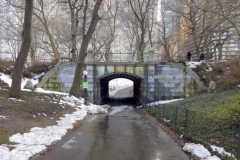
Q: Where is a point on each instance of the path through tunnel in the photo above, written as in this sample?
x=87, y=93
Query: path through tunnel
x=106, y=98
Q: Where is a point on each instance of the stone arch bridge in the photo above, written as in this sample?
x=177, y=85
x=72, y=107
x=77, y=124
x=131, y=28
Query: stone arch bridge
x=152, y=81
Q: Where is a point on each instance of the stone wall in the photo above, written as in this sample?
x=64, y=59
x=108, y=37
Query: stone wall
x=160, y=81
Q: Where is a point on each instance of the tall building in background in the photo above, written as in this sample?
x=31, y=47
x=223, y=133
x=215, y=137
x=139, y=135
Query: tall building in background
x=209, y=32
x=170, y=20
x=170, y=17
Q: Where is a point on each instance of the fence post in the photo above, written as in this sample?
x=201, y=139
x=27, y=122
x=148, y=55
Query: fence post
x=155, y=110
x=186, y=121
x=158, y=114
x=163, y=113
x=176, y=113
x=238, y=137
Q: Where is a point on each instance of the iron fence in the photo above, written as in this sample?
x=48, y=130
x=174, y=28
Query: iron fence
x=189, y=123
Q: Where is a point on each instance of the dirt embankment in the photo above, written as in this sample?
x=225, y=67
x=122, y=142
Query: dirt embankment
x=32, y=110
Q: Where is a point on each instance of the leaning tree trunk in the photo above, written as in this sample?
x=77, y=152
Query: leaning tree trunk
x=75, y=89
x=22, y=56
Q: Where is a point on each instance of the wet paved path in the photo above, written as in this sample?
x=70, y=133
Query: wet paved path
x=125, y=92
x=123, y=134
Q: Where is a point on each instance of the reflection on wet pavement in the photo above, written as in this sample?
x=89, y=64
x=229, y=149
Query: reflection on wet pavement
x=123, y=134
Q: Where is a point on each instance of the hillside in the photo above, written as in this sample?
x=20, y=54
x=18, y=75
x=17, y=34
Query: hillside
x=212, y=119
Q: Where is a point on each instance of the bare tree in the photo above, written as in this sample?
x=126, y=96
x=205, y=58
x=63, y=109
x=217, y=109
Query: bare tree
x=75, y=8
x=106, y=32
x=199, y=27
x=45, y=40
x=169, y=36
x=19, y=65
x=226, y=32
x=191, y=17
x=140, y=10
x=11, y=22
x=39, y=12
x=75, y=89
x=228, y=9
x=204, y=27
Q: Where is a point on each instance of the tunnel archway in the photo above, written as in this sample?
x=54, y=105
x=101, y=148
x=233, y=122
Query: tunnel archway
x=104, y=86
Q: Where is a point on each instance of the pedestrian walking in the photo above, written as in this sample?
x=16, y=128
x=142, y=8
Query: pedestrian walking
x=202, y=56
x=189, y=55
x=198, y=56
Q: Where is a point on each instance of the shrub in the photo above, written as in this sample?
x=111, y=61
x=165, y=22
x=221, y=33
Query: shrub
x=225, y=74
x=38, y=68
x=6, y=64
x=6, y=67
x=27, y=74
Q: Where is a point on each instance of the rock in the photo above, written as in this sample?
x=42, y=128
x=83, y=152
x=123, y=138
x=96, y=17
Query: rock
x=217, y=77
x=212, y=86
x=29, y=85
x=3, y=85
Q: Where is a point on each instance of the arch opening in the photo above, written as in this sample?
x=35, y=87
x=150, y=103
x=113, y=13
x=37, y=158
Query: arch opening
x=120, y=89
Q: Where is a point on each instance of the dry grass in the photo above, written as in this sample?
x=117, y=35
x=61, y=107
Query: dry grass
x=6, y=67
x=39, y=67
x=33, y=109
x=225, y=74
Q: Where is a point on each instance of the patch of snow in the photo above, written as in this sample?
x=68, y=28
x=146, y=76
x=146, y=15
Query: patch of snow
x=16, y=100
x=221, y=151
x=163, y=102
x=6, y=78
x=196, y=149
x=165, y=120
x=20, y=152
x=3, y=117
x=193, y=64
x=211, y=158
x=50, y=92
x=37, y=139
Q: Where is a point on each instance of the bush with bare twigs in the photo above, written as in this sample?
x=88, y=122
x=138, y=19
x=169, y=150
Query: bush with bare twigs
x=7, y=67
x=225, y=74
x=39, y=67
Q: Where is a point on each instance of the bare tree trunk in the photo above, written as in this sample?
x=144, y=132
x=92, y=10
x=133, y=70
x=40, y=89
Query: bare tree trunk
x=75, y=8
x=220, y=50
x=32, y=53
x=140, y=10
x=19, y=65
x=75, y=89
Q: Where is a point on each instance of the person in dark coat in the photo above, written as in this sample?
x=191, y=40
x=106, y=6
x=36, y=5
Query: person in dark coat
x=202, y=56
x=189, y=55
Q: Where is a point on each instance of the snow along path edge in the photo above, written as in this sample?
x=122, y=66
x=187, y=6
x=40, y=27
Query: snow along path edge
x=38, y=139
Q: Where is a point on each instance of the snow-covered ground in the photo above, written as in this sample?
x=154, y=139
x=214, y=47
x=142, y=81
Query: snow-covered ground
x=37, y=139
x=120, y=82
x=117, y=84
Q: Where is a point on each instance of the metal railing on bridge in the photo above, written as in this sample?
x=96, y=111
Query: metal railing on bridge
x=113, y=57
x=124, y=57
